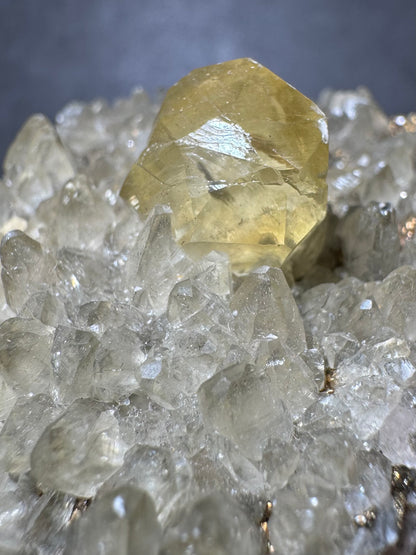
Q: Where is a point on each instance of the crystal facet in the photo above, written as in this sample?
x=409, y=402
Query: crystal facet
x=240, y=157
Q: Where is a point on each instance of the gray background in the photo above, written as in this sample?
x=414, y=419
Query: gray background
x=52, y=51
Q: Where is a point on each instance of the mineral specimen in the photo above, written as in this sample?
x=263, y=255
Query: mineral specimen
x=240, y=157
x=155, y=403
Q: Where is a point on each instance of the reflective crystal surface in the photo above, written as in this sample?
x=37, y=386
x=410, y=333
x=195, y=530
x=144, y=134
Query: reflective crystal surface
x=155, y=402
x=240, y=157
x=123, y=521
x=214, y=524
x=79, y=450
x=36, y=164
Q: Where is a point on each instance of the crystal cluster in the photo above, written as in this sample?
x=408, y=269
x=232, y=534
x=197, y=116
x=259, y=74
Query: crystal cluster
x=159, y=405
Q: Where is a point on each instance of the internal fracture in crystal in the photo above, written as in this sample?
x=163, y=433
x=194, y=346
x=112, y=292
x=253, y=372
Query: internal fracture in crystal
x=240, y=157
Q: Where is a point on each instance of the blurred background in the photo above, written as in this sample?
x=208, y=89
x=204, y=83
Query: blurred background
x=53, y=51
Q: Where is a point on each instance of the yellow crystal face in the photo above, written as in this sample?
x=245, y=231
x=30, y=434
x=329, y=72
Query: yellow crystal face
x=240, y=156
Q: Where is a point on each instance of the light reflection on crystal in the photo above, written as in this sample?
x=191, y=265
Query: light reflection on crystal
x=240, y=156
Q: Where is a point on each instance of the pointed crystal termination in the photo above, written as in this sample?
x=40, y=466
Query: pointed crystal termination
x=240, y=156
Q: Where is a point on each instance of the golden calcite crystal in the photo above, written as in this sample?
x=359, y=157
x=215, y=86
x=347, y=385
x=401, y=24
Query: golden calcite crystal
x=240, y=156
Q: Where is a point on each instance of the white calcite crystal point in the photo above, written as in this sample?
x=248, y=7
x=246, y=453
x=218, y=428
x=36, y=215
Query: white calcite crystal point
x=121, y=521
x=30, y=415
x=213, y=524
x=244, y=405
x=36, y=164
x=25, y=268
x=79, y=450
x=264, y=308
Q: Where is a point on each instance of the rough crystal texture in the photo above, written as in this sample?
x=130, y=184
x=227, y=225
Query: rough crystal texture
x=244, y=405
x=79, y=450
x=152, y=403
x=36, y=164
x=214, y=524
x=372, y=251
x=30, y=415
x=104, y=140
x=240, y=156
x=123, y=521
x=372, y=158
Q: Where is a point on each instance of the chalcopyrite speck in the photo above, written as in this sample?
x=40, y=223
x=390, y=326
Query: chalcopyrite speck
x=158, y=397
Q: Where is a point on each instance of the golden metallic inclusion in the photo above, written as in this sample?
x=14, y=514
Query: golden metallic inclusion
x=240, y=157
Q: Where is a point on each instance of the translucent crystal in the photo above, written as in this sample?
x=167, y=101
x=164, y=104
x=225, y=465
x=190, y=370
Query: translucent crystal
x=121, y=521
x=199, y=337
x=397, y=304
x=26, y=268
x=370, y=241
x=36, y=164
x=264, y=308
x=143, y=422
x=116, y=360
x=6, y=208
x=369, y=161
x=77, y=452
x=80, y=216
x=398, y=434
x=214, y=524
x=73, y=353
x=374, y=360
x=244, y=405
x=240, y=157
x=22, y=429
x=279, y=461
x=163, y=475
x=25, y=347
x=91, y=131
x=48, y=525
x=5, y=310
x=79, y=276
x=156, y=238
x=291, y=377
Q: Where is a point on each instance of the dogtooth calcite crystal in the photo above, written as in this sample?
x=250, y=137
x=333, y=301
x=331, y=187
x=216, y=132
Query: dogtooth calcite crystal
x=240, y=156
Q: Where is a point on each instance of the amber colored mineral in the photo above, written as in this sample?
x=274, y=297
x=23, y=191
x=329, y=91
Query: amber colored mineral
x=240, y=157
